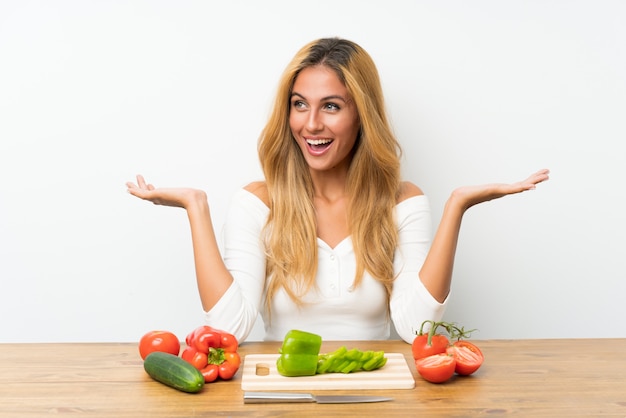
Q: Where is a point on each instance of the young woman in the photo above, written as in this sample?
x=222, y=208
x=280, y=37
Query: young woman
x=332, y=241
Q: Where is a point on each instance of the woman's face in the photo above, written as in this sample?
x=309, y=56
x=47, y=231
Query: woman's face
x=323, y=119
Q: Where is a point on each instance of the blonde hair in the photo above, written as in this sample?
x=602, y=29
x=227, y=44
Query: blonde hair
x=373, y=177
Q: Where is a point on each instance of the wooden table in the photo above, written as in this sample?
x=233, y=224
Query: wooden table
x=528, y=378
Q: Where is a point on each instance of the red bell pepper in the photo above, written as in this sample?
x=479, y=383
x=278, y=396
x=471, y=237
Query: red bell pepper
x=213, y=352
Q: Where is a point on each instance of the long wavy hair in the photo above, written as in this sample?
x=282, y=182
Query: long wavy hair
x=373, y=183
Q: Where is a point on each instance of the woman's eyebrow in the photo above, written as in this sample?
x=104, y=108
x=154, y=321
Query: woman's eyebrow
x=324, y=99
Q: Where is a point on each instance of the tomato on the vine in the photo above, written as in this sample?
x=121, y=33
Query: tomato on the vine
x=437, y=368
x=430, y=343
x=467, y=355
x=433, y=342
x=164, y=341
x=422, y=347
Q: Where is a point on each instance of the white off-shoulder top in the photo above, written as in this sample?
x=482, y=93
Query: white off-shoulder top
x=334, y=309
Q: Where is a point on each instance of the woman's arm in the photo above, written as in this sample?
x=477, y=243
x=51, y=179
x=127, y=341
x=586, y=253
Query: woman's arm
x=436, y=273
x=213, y=278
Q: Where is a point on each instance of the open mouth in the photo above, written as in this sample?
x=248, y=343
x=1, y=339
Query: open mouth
x=318, y=145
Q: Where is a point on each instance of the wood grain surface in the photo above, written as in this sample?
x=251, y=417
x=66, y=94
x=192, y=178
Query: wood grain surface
x=521, y=378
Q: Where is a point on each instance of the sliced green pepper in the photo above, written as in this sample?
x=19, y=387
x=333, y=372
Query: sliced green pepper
x=299, y=354
x=349, y=361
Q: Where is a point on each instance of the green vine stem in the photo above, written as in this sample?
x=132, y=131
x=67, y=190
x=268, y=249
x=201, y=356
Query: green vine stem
x=454, y=332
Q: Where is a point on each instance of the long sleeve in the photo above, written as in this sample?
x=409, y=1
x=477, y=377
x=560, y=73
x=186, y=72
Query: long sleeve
x=244, y=256
x=410, y=302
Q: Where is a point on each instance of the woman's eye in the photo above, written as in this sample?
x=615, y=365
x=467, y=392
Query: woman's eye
x=331, y=106
x=298, y=104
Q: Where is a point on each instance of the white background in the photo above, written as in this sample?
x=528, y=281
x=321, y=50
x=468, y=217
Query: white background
x=94, y=92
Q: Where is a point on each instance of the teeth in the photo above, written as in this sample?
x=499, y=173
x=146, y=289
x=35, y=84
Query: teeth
x=318, y=141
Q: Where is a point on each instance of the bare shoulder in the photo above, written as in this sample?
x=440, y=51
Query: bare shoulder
x=407, y=190
x=259, y=189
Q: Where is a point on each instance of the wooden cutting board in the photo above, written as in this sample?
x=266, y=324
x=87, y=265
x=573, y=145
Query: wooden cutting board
x=395, y=374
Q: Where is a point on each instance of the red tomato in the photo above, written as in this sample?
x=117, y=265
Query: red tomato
x=421, y=349
x=468, y=357
x=164, y=341
x=436, y=368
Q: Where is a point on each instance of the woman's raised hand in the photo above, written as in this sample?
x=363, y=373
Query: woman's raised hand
x=468, y=196
x=177, y=197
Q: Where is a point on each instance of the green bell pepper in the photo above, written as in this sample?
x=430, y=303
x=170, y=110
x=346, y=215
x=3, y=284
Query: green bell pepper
x=299, y=354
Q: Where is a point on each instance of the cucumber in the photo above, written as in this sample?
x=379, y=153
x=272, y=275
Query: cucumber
x=173, y=371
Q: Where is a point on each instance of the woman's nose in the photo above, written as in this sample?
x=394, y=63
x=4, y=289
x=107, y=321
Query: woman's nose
x=314, y=121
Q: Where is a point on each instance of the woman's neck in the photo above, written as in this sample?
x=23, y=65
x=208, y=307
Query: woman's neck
x=329, y=187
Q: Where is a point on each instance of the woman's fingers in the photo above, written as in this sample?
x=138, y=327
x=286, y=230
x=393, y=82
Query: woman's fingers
x=536, y=178
x=539, y=176
x=141, y=182
x=172, y=196
x=140, y=188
